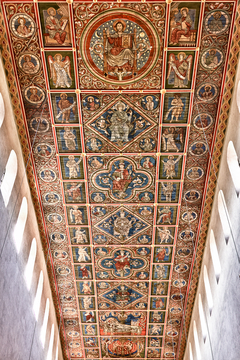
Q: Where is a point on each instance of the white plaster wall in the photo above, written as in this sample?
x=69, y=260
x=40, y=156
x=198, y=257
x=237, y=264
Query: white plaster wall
x=18, y=329
x=223, y=340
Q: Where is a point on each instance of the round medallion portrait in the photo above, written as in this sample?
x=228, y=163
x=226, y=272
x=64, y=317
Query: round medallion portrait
x=51, y=198
x=192, y=195
x=120, y=47
x=22, y=25
x=202, y=121
x=217, y=22
x=29, y=63
x=195, y=173
x=42, y=150
x=186, y=235
x=198, y=148
x=41, y=125
x=207, y=92
x=179, y=283
x=34, y=94
x=211, y=58
x=57, y=237
x=74, y=344
x=47, y=175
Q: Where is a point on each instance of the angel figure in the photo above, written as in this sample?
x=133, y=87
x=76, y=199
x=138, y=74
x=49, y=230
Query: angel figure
x=60, y=71
x=179, y=70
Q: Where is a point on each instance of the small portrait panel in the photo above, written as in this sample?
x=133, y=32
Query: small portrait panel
x=159, y=288
x=173, y=139
x=93, y=145
x=65, y=108
x=203, y=121
x=79, y=235
x=83, y=272
x=183, y=24
x=189, y=216
x=149, y=102
x=192, y=195
x=170, y=167
x=77, y=215
x=63, y=270
x=29, y=63
x=34, y=94
x=48, y=175
x=161, y=272
x=147, y=144
x=55, y=24
x=154, y=342
x=57, y=237
x=195, y=173
x=144, y=239
x=95, y=162
x=86, y=303
x=88, y=329
x=207, y=92
x=68, y=139
x=74, y=192
x=217, y=22
x=60, y=69
x=166, y=215
x=168, y=192
x=91, y=103
x=90, y=341
x=22, y=26
x=154, y=353
x=39, y=124
x=81, y=254
x=212, y=58
x=44, y=150
x=55, y=218
x=155, y=329
x=176, y=106
x=157, y=317
x=148, y=162
x=198, y=148
x=164, y=235
x=98, y=197
x=187, y=235
x=51, y=198
x=184, y=252
x=85, y=287
x=163, y=254
x=99, y=239
x=146, y=197
x=89, y=317
x=72, y=167
x=61, y=255
x=179, y=70
x=181, y=268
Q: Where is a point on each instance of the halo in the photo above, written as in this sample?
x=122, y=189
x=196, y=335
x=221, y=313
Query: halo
x=207, y=86
x=181, y=53
x=21, y=18
x=119, y=21
x=186, y=9
x=49, y=9
x=149, y=97
x=61, y=95
x=27, y=56
x=119, y=103
x=57, y=55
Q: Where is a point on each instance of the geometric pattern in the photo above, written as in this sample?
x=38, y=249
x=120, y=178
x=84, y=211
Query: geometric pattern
x=120, y=107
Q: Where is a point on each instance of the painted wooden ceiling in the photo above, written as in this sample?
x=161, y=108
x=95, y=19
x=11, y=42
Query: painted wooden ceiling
x=121, y=104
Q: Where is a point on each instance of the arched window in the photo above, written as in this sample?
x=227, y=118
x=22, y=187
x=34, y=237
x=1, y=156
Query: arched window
x=45, y=322
x=224, y=216
x=202, y=318
x=208, y=289
x=238, y=96
x=190, y=352
x=38, y=296
x=233, y=165
x=215, y=256
x=2, y=110
x=196, y=341
x=28, y=273
x=20, y=224
x=9, y=177
x=50, y=346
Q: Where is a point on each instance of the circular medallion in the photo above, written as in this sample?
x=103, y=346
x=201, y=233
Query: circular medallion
x=34, y=94
x=202, y=121
x=198, y=148
x=119, y=47
x=51, y=198
x=96, y=162
x=69, y=311
x=73, y=333
x=172, y=333
x=170, y=354
x=57, y=237
x=93, y=144
x=177, y=297
x=98, y=197
x=47, y=175
x=144, y=239
x=42, y=150
x=211, y=58
x=74, y=344
x=207, y=92
x=99, y=239
x=184, y=252
x=63, y=270
x=149, y=102
x=195, y=173
x=179, y=283
x=181, y=268
x=189, y=216
x=217, y=22
x=176, y=310
x=39, y=124
x=60, y=254
x=192, y=195
x=186, y=235
x=174, y=322
x=71, y=322
x=29, y=63
x=22, y=25
x=63, y=284
x=55, y=218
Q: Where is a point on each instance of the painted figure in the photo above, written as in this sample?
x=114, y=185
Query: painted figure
x=167, y=190
x=55, y=27
x=176, y=108
x=165, y=215
x=60, y=71
x=80, y=236
x=22, y=29
x=120, y=124
x=120, y=49
x=76, y=215
x=150, y=103
x=82, y=254
x=169, y=166
x=180, y=27
x=171, y=138
x=179, y=67
x=75, y=191
x=34, y=97
x=164, y=235
x=69, y=138
x=65, y=107
x=73, y=166
x=28, y=66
